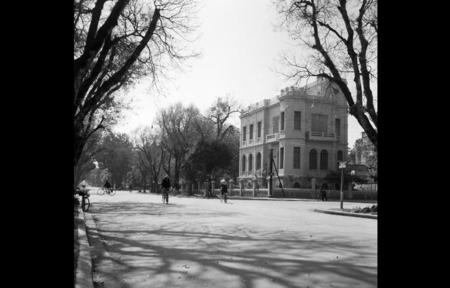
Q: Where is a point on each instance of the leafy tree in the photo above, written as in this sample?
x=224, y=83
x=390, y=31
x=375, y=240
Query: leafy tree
x=231, y=140
x=179, y=136
x=208, y=159
x=97, y=176
x=215, y=128
x=116, y=43
x=116, y=156
x=334, y=177
x=342, y=36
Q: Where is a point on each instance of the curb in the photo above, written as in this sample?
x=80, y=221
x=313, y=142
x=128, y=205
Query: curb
x=360, y=215
x=254, y=198
x=280, y=199
x=83, y=276
x=269, y=199
x=98, y=250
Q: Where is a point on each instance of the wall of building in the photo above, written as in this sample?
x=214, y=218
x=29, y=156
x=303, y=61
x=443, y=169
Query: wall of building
x=291, y=100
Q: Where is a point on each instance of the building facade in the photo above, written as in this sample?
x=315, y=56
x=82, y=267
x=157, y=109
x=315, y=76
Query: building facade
x=306, y=129
x=364, y=150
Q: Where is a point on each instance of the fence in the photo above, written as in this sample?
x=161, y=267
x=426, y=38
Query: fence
x=365, y=192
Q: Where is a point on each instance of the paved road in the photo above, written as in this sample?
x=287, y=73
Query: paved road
x=139, y=242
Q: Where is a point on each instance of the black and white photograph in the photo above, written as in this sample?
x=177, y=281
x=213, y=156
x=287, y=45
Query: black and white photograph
x=225, y=143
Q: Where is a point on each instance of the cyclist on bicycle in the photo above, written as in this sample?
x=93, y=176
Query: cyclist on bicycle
x=165, y=189
x=107, y=186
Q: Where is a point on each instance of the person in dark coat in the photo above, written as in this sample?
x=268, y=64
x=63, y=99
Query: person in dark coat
x=165, y=189
x=323, y=192
x=224, y=189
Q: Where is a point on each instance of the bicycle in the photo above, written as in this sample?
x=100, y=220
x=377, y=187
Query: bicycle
x=85, y=202
x=109, y=191
x=224, y=197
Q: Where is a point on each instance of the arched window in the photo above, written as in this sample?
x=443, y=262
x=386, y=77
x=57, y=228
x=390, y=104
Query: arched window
x=243, y=163
x=258, y=161
x=313, y=159
x=250, y=162
x=340, y=157
x=323, y=160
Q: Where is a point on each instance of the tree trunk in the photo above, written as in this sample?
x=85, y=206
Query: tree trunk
x=358, y=112
x=177, y=172
x=79, y=143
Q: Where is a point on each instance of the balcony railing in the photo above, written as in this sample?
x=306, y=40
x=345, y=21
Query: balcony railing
x=250, y=142
x=320, y=136
x=272, y=137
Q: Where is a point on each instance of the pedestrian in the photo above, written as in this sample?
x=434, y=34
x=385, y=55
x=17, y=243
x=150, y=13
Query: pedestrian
x=224, y=189
x=323, y=192
x=165, y=189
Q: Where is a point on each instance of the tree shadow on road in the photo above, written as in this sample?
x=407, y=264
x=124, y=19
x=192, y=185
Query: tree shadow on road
x=274, y=257
x=153, y=209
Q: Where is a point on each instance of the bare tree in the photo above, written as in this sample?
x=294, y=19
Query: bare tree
x=220, y=113
x=343, y=38
x=151, y=155
x=115, y=43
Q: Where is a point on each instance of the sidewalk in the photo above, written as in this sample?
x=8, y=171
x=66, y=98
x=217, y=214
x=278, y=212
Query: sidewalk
x=276, y=198
x=83, y=272
x=342, y=213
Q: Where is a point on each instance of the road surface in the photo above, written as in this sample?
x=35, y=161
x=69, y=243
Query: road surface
x=139, y=242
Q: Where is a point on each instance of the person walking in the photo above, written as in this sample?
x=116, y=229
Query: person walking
x=224, y=189
x=165, y=189
x=323, y=192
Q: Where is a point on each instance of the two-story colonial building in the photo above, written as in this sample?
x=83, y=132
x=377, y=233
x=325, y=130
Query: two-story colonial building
x=306, y=129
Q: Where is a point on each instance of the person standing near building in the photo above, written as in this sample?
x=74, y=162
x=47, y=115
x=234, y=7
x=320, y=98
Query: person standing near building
x=224, y=189
x=323, y=192
x=165, y=189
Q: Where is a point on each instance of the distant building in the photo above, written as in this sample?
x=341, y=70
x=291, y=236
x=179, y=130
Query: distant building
x=364, y=150
x=364, y=154
x=306, y=128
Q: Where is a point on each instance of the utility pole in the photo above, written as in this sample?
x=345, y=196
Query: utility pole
x=270, y=173
x=342, y=166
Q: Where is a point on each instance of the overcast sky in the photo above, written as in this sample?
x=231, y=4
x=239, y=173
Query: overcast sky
x=240, y=50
